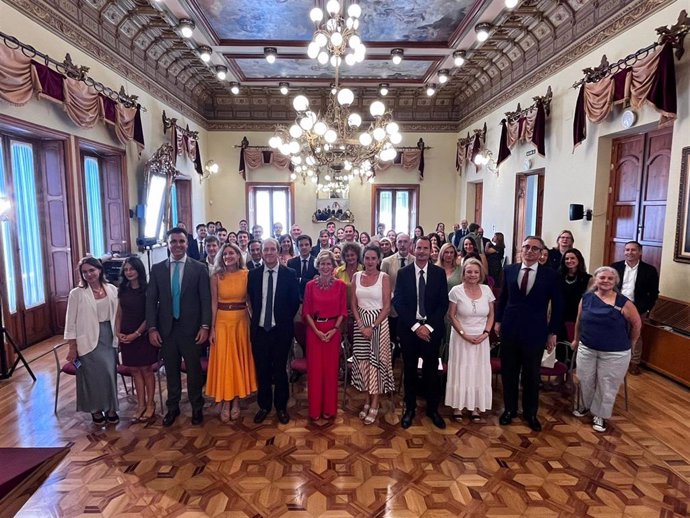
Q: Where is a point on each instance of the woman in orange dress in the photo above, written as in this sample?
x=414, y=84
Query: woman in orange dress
x=231, y=372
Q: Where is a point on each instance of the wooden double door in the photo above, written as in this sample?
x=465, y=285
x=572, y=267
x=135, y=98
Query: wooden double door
x=638, y=190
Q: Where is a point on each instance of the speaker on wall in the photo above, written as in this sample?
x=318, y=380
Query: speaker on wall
x=576, y=212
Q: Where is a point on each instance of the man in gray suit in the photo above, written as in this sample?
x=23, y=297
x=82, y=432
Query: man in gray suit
x=391, y=265
x=178, y=313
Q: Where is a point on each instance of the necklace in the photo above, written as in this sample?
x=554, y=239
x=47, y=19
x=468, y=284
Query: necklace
x=99, y=292
x=568, y=280
x=325, y=285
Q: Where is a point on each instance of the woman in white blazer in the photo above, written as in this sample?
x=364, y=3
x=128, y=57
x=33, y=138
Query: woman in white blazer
x=90, y=331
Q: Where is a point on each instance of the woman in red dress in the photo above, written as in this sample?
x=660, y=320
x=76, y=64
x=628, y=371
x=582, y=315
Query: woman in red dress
x=323, y=312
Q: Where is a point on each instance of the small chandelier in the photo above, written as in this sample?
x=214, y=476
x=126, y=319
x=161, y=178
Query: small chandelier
x=332, y=148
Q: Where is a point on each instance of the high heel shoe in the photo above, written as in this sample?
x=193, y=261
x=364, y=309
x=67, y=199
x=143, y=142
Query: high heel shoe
x=138, y=415
x=149, y=414
x=235, y=413
x=225, y=412
x=371, y=416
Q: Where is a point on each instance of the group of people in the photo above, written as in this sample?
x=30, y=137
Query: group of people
x=438, y=300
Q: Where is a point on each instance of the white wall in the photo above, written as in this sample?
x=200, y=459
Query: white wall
x=51, y=115
x=582, y=176
x=225, y=191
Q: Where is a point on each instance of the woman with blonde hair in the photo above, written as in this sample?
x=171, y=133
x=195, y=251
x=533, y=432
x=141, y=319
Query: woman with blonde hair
x=471, y=313
x=231, y=372
x=607, y=325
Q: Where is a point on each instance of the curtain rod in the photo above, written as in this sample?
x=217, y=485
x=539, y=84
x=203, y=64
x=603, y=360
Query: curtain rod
x=170, y=122
x=69, y=69
x=245, y=145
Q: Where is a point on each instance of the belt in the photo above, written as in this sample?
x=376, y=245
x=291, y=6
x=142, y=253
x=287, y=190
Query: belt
x=321, y=319
x=231, y=306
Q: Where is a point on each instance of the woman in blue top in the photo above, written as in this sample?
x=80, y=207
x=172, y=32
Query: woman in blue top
x=606, y=327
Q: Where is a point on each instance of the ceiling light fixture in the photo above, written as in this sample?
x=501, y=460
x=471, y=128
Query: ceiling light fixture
x=284, y=88
x=397, y=56
x=511, y=3
x=204, y=53
x=430, y=89
x=186, y=27
x=483, y=31
x=443, y=75
x=271, y=54
x=235, y=87
x=332, y=146
x=459, y=58
x=383, y=89
x=221, y=72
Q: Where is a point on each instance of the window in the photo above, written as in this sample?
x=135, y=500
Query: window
x=269, y=204
x=153, y=217
x=173, y=205
x=7, y=255
x=94, y=206
x=396, y=207
x=28, y=227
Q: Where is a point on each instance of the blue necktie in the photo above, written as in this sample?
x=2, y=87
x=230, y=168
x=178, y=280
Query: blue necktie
x=176, y=290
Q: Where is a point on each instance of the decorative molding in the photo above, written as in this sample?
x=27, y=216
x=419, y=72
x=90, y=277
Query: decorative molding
x=229, y=125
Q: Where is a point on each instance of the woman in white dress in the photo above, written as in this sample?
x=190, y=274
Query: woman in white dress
x=471, y=313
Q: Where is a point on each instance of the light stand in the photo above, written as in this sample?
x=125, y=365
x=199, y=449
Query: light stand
x=5, y=370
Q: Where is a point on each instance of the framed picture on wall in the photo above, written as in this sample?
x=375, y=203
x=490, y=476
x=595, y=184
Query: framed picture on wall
x=332, y=207
x=682, y=254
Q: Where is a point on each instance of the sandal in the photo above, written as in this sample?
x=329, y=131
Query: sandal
x=457, y=416
x=224, y=412
x=235, y=412
x=98, y=417
x=364, y=412
x=138, y=416
x=371, y=416
x=475, y=417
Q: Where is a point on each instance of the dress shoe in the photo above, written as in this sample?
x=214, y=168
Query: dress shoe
x=283, y=416
x=533, y=423
x=407, y=417
x=260, y=415
x=634, y=369
x=170, y=417
x=437, y=420
x=506, y=418
x=197, y=417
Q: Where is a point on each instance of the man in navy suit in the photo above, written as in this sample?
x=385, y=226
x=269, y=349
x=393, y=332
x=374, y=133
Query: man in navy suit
x=178, y=314
x=421, y=300
x=196, y=247
x=639, y=281
x=254, y=255
x=303, y=265
x=274, y=295
x=521, y=322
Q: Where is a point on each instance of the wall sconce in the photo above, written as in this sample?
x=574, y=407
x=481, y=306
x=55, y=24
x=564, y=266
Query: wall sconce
x=578, y=212
x=483, y=30
x=211, y=168
x=186, y=27
x=486, y=158
x=397, y=56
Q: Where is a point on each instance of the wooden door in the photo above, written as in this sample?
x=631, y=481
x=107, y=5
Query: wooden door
x=478, y=196
x=183, y=186
x=529, y=203
x=637, y=194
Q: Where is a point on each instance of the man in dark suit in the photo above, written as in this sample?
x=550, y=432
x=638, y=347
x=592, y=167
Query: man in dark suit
x=421, y=300
x=303, y=264
x=639, y=281
x=254, y=254
x=195, y=247
x=521, y=322
x=178, y=313
x=323, y=244
x=274, y=295
x=458, y=234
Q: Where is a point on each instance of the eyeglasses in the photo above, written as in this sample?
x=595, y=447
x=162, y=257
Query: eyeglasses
x=535, y=249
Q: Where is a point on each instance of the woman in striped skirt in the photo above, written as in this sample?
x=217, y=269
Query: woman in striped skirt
x=372, y=370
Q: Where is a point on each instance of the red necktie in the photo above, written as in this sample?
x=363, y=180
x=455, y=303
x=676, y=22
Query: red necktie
x=525, y=280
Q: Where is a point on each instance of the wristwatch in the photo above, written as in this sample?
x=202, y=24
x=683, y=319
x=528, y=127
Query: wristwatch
x=462, y=333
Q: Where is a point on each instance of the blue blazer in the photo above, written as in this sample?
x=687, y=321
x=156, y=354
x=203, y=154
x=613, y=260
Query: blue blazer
x=285, y=302
x=435, y=301
x=296, y=265
x=523, y=318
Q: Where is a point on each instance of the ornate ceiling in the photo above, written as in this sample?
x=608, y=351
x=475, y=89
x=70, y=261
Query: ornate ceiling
x=137, y=38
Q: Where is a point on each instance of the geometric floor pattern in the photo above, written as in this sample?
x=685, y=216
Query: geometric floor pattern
x=345, y=469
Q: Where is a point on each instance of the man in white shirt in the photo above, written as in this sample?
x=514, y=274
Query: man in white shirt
x=196, y=246
x=639, y=281
x=211, y=245
x=243, y=243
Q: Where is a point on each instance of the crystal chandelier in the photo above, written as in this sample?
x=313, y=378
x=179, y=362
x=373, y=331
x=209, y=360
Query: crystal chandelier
x=332, y=148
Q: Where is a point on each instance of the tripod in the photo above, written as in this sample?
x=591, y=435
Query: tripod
x=5, y=370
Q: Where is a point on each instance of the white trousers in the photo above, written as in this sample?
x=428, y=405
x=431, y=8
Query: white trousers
x=600, y=374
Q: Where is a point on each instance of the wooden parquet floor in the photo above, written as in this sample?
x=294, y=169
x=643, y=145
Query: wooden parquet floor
x=640, y=467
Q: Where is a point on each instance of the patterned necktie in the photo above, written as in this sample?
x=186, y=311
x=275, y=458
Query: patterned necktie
x=525, y=280
x=268, y=318
x=176, y=290
x=421, y=292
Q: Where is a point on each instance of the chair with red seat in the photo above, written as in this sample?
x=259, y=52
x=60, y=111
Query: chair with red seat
x=298, y=366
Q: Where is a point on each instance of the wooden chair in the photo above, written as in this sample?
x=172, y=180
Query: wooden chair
x=126, y=372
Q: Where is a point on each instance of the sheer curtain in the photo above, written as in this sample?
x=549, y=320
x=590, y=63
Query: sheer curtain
x=173, y=205
x=94, y=207
x=28, y=227
x=7, y=250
